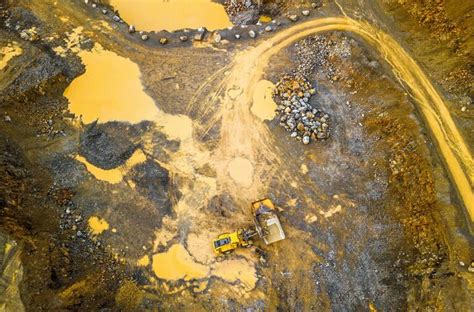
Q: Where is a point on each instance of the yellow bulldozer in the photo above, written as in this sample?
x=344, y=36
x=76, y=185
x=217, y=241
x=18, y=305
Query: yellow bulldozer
x=267, y=226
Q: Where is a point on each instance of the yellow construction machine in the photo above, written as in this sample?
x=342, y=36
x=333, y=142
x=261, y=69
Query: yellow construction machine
x=267, y=226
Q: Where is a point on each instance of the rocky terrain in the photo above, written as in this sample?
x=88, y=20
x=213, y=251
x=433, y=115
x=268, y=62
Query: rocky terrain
x=99, y=212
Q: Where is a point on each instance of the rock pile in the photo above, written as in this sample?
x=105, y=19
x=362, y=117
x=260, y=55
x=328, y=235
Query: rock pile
x=296, y=114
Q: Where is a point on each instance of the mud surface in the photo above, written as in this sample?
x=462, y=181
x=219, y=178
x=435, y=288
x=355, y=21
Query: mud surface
x=122, y=160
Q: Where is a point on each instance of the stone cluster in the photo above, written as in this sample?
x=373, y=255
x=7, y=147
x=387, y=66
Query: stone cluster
x=316, y=52
x=296, y=114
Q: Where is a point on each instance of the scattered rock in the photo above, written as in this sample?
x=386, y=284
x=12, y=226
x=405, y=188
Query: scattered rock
x=131, y=29
x=237, y=36
x=199, y=36
x=183, y=38
x=305, y=12
x=104, y=11
x=293, y=17
x=463, y=109
x=144, y=37
x=29, y=34
x=164, y=41
x=217, y=38
x=252, y=34
x=7, y=118
x=268, y=28
x=116, y=18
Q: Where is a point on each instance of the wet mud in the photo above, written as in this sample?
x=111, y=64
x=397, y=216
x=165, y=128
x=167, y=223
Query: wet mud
x=123, y=161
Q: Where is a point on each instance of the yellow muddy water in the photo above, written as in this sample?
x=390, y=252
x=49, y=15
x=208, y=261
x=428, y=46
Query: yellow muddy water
x=172, y=14
x=143, y=261
x=97, y=225
x=177, y=264
x=263, y=105
x=109, y=90
x=7, y=53
x=115, y=175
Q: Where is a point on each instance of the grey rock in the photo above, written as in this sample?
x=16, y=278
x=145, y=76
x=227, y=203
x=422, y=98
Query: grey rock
x=237, y=36
x=306, y=140
x=268, y=28
x=199, y=36
x=305, y=12
x=183, y=38
x=252, y=34
x=116, y=18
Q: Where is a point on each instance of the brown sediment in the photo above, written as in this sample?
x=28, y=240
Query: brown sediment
x=173, y=14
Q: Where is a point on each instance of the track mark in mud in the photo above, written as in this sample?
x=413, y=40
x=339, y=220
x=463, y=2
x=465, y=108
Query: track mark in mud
x=109, y=90
x=97, y=225
x=249, y=68
x=235, y=270
x=172, y=15
x=9, y=52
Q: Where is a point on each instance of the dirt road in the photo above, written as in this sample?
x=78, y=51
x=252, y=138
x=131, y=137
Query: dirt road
x=248, y=68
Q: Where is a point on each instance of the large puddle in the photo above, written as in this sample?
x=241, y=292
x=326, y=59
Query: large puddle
x=109, y=90
x=177, y=264
x=172, y=14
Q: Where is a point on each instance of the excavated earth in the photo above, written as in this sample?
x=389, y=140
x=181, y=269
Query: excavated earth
x=115, y=208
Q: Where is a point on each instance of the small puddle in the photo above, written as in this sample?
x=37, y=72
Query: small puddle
x=176, y=264
x=115, y=175
x=241, y=171
x=97, y=225
x=7, y=53
x=143, y=261
x=109, y=90
x=172, y=14
x=263, y=105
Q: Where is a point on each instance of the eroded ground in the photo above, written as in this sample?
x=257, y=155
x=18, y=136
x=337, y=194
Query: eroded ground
x=124, y=158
